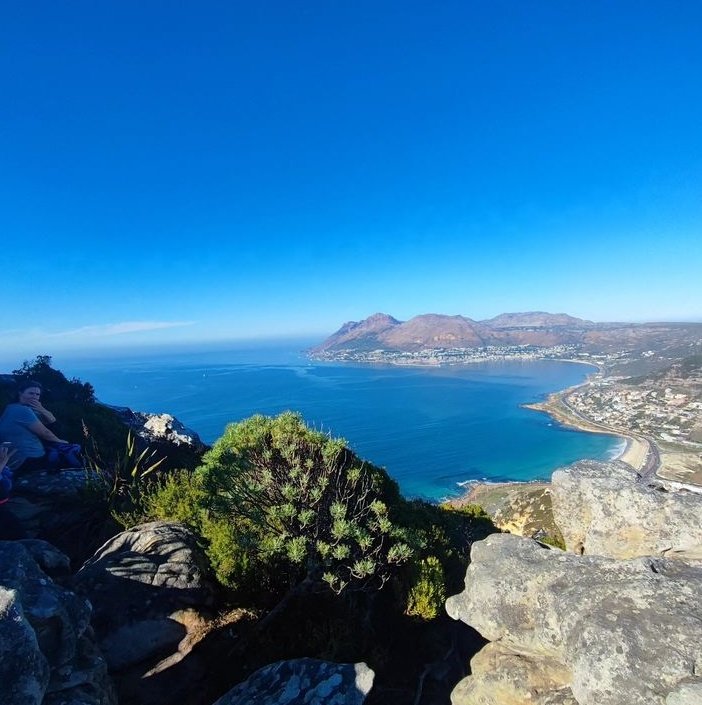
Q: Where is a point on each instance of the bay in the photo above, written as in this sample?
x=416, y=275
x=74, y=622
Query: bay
x=433, y=429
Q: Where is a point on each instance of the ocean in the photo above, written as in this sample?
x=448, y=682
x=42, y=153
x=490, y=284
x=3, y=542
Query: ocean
x=433, y=429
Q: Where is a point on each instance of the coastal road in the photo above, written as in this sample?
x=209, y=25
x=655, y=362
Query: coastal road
x=652, y=460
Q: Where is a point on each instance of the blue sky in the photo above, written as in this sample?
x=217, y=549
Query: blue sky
x=180, y=171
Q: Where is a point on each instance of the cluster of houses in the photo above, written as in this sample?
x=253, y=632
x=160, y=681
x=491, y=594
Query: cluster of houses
x=667, y=409
x=451, y=356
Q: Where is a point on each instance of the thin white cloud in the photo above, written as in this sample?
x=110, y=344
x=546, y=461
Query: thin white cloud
x=110, y=329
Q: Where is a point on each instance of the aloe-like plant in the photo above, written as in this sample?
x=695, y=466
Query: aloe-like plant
x=120, y=483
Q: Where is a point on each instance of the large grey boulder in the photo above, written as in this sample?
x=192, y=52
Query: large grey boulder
x=615, y=632
x=601, y=509
x=146, y=584
x=303, y=681
x=47, y=502
x=47, y=653
x=152, y=593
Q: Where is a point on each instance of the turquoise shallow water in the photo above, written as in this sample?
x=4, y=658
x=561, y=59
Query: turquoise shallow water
x=433, y=429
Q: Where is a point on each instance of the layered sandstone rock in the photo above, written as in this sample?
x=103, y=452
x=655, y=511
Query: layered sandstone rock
x=616, y=621
x=612, y=631
x=601, y=509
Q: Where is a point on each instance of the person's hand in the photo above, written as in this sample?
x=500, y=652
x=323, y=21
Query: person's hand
x=36, y=405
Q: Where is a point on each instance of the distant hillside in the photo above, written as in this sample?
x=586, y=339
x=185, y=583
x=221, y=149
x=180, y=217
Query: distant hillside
x=631, y=348
x=536, y=319
x=360, y=335
x=383, y=332
x=431, y=330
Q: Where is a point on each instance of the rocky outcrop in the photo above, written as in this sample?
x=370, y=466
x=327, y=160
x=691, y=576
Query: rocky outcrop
x=54, y=507
x=614, y=621
x=48, y=654
x=302, y=682
x=151, y=592
x=597, y=630
x=501, y=675
x=159, y=428
x=601, y=509
x=522, y=508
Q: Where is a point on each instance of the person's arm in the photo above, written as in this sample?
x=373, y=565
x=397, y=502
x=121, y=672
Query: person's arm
x=41, y=412
x=38, y=429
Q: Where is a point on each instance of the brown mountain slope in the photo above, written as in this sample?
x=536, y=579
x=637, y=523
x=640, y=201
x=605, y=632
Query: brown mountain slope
x=359, y=335
x=538, y=329
x=536, y=319
x=436, y=331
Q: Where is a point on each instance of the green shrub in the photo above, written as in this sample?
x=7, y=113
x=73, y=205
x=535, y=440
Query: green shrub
x=427, y=595
x=305, y=508
x=176, y=496
x=445, y=533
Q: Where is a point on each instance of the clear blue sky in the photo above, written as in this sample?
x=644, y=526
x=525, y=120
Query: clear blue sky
x=193, y=171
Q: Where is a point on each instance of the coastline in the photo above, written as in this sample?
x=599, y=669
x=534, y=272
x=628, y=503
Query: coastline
x=637, y=449
x=637, y=452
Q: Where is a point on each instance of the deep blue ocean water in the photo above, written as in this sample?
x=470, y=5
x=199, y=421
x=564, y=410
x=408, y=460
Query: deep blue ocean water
x=431, y=428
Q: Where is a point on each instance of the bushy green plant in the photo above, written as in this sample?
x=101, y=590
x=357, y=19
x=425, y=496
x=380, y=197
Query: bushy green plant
x=445, y=533
x=54, y=382
x=305, y=504
x=176, y=496
x=427, y=595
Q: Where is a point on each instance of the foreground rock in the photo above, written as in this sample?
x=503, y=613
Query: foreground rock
x=151, y=593
x=47, y=651
x=601, y=509
x=303, y=682
x=52, y=506
x=587, y=630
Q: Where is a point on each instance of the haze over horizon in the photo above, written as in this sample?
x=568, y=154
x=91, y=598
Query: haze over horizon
x=174, y=175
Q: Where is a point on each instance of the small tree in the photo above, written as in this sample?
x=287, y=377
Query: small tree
x=304, y=503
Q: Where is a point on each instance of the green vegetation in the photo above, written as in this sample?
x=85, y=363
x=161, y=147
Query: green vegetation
x=555, y=541
x=304, y=503
x=288, y=517
x=428, y=593
x=283, y=508
x=121, y=484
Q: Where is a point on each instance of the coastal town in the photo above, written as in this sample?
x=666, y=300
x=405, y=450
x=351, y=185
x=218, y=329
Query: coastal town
x=448, y=356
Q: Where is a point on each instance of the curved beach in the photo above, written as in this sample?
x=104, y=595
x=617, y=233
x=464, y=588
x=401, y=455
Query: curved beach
x=638, y=450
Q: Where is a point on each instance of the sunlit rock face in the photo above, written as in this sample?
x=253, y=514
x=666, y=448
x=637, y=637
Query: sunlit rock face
x=601, y=509
x=592, y=626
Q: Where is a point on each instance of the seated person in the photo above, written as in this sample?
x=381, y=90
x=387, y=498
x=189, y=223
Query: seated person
x=20, y=425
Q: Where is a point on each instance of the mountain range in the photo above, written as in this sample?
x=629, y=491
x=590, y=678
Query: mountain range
x=536, y=328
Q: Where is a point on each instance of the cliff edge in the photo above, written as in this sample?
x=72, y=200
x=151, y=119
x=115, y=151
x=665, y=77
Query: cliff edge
x=614, y=620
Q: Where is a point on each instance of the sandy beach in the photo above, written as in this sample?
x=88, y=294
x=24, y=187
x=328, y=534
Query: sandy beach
x=637, y=449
